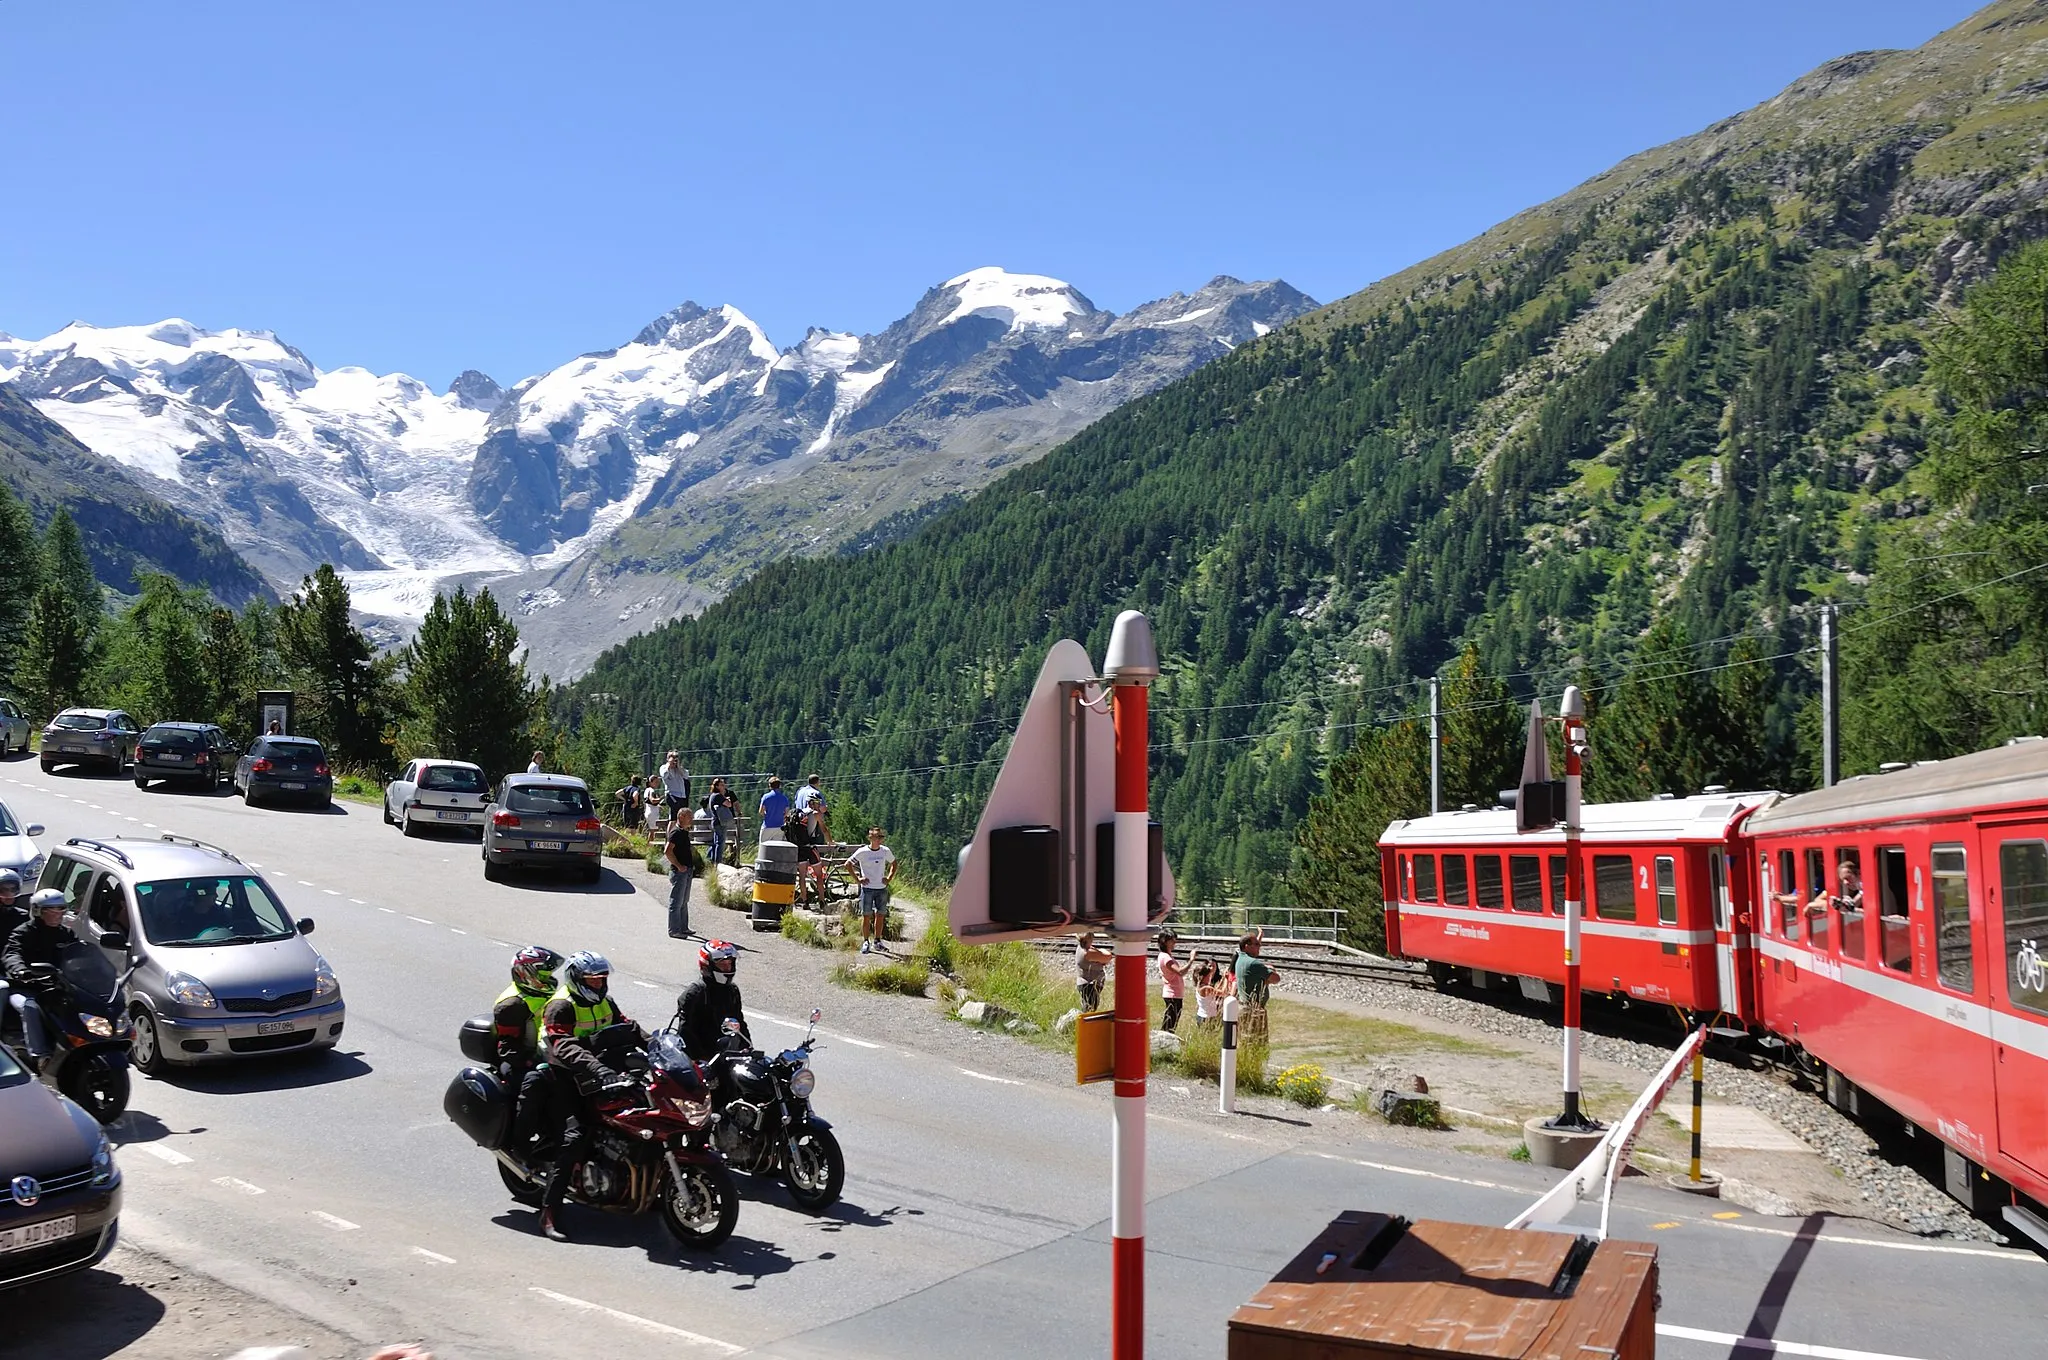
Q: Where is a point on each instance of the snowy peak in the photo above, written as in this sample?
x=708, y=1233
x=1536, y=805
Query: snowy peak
x=1021, y=300
x=474, y=391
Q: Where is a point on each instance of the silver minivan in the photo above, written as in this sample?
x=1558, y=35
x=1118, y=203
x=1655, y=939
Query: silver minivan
x=222, y=970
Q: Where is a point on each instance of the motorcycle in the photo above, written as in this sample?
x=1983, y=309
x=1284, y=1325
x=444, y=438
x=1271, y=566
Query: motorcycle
x=85, y=1009
x=767, y=1126
x=651, y=1148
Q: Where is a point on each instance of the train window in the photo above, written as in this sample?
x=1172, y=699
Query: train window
x=1667, y=891
x=1525, y=878
x=1457, y=891
x=1486, y=879
x=1614, y=887
x=1425, y=878
x=1816, y=895
x=1788, y=893
x=1557, y=885
x=1894, y=929
x=1954, y=960
x=1848, y=900
x=2023, y=878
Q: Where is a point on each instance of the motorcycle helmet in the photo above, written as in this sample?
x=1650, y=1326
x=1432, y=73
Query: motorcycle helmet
x=10, y=882
x=718, y=961
x=49, y=899
x=588, y=976
x=533, y=970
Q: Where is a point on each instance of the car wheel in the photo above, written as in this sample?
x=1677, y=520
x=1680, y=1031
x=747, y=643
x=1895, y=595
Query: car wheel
x=49, y=766
x=592, y=872
x=389, y=820
x=147, y=1052
x=249, y=795
x=407, y=825
x=493, y=871
x=141, y=782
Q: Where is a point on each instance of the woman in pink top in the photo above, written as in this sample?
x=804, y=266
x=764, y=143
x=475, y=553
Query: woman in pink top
x=1173, y=982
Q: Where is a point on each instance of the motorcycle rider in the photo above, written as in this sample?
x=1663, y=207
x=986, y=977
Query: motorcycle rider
x=580, y=1007
x=39, y=942
x=515, y=1023
x=706, y=1004
x=12, y=914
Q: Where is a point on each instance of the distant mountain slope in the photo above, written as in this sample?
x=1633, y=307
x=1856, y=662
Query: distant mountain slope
x=1689, y=388
x=127, y=531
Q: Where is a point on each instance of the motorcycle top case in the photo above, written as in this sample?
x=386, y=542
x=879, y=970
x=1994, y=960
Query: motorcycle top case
x=479, y=1040
x=479, y=1106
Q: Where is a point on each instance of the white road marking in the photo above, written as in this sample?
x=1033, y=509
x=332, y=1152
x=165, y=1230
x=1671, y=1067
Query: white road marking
x=338, y=1224
x=1417, y=1171
x=833, y=1035
x=421, y=919
x=434, y=1256
x=453, y=931
x=359, y=901
x=1767, y=1346
x=233, y=1183
x=648, y=985
x=95, y=807
x=330, y=892
x=387, y=911
x=304, y=884
x=162, y=1153
x=2026, y=1257
x=645, y=1324
x=150, y=825
x=983, y=1076
x=127, y=819
x=502, y=944
x=254, y=865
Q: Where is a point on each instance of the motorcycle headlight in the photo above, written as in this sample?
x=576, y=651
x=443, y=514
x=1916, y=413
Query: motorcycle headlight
x=802, y=1082
x=99, y=1027
x=324, y=985
x=103, y=1170
x=694, y=1109
x=187, y=990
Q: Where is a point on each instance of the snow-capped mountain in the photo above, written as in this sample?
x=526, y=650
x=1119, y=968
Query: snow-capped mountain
x=637, y=482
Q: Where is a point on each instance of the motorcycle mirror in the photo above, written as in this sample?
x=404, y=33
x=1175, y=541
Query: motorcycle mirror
x=107, y=938
x=816, y=1015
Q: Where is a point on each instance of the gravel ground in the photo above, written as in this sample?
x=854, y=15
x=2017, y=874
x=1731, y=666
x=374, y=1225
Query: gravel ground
x=1895, y=1194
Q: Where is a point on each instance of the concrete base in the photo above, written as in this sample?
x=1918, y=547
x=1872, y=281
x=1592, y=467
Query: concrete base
x=1709, y=1183
x=1561, y=1148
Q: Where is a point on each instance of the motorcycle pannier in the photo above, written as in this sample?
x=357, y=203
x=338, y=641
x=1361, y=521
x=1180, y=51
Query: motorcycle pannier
x=479, y=1106
x=479, y=1040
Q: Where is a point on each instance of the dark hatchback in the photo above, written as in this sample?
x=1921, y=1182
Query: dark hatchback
x=191, y=753
x=60, y=1192
x=285, y=769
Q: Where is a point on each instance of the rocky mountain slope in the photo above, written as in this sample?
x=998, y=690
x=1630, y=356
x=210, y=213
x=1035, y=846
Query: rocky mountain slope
x=127, y=531
x=640, y=481
x=1691, y=390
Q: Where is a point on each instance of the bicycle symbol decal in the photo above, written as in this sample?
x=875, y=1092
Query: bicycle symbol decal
x=2029, y=969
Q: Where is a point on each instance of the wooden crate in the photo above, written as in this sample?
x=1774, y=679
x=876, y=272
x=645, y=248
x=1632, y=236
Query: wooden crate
x=1395, y=1288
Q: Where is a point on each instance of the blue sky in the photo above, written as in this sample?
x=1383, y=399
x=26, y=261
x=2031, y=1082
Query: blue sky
x=434, y=186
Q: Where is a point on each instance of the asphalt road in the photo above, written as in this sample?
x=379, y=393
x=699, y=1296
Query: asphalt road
x=974, y=1221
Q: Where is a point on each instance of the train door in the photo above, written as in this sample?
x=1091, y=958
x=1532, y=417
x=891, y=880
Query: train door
x=1729, y=963
x=2015, y=861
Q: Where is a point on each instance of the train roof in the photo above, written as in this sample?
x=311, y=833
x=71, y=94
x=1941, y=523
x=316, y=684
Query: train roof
x=2004, y=775
x=1702, y=817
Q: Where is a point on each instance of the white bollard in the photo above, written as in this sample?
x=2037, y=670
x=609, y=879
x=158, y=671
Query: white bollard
x=1226, y=1100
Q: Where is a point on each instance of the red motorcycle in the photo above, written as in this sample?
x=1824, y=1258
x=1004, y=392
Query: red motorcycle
x=652, y=1148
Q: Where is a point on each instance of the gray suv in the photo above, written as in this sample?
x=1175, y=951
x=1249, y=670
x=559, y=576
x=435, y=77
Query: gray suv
x=222, y=970
x=90, y=736
x=543, y=821
x=14, y=727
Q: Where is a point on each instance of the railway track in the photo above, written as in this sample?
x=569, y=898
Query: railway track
x=1293, y=957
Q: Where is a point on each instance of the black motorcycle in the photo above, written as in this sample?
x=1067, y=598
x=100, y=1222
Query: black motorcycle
x=767, y=1125
x=85, y=1009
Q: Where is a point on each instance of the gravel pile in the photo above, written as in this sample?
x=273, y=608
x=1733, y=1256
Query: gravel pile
x=1896, y=1195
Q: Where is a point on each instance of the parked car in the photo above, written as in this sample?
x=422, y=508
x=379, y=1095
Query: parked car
x=284, y=768
x=14, y=728
x=222, y=970
x=90, y=736
x=18, y=847
x=192, y=753
x=543, y=821
x=437, y=793
x=63, y=1207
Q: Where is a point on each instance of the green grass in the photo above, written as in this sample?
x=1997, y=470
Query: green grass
x=358, y=787
x=804, y=929
x=904, y=976
x=1519, y=1153
x=1201, y=1059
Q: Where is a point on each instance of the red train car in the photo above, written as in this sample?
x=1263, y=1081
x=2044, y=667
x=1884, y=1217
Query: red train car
x=1666, y=917
x=1905, y=946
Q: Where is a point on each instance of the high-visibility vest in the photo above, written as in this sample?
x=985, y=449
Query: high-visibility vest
x=534, y=1006
x=589, y=1019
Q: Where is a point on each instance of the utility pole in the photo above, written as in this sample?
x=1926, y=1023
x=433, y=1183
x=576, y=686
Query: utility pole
x=1436, y=746
x=1830, y=699
x=1130, y=666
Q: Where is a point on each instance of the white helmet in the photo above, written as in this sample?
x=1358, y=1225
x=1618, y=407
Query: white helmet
x=47, y=899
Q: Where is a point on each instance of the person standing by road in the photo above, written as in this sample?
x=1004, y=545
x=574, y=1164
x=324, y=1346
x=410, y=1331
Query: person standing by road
x=1090, y=964
x=629, y=804
x=725, y=814
x=774, y=809
x=1173, y=982
x=876, y=865
x=675, y=789
x=1254, y=977
x=533, y=766
x=685, y=862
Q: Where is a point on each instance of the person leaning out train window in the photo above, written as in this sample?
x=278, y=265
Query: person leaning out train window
x=1849, y=885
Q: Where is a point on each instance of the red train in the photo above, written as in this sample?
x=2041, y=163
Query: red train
x=1890, y=932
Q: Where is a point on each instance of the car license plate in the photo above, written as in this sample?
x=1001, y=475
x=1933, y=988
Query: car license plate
x=295, y=788
x=169, y=755
x=457, y=816
x=275, y=1027
x=38, y=1234
x=545, y=845
x=69, y=749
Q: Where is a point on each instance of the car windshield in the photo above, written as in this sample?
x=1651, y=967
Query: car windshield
x=78, y=722
x=453, y=779
x=8, y=827
x=547, y=800
x=179, y=738
x=229, y=909
x=11, y=1072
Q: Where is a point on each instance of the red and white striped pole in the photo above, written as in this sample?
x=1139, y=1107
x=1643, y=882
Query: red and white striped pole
x=1131, y=665
x=1573, y=709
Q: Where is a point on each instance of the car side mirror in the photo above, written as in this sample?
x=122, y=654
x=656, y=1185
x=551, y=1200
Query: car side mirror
x=35, y=829
x=305, y=925
x=108, y=938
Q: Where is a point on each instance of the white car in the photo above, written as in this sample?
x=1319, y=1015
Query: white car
x=18, y=849
x=437, y=793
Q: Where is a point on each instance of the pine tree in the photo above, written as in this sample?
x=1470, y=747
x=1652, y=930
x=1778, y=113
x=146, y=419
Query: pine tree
x=1384, y=776
x=345, y=691
x=61, y=645
x=466, y=689
x=228, y=665
x=21, y=568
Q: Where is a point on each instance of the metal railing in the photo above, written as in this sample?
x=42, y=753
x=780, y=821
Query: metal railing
x=1281, y=925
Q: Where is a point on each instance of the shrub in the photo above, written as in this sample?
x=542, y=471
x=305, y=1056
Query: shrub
x=906, y=976
x=1201, y=1058
x=1304, y=1084
x=1013, y=976
x=804, y=930
x=1519, y=1153
x=937, y=947
x=849, y=924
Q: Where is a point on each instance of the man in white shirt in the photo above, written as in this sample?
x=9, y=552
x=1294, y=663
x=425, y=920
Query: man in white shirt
x=675, y=787
x=876, y=865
